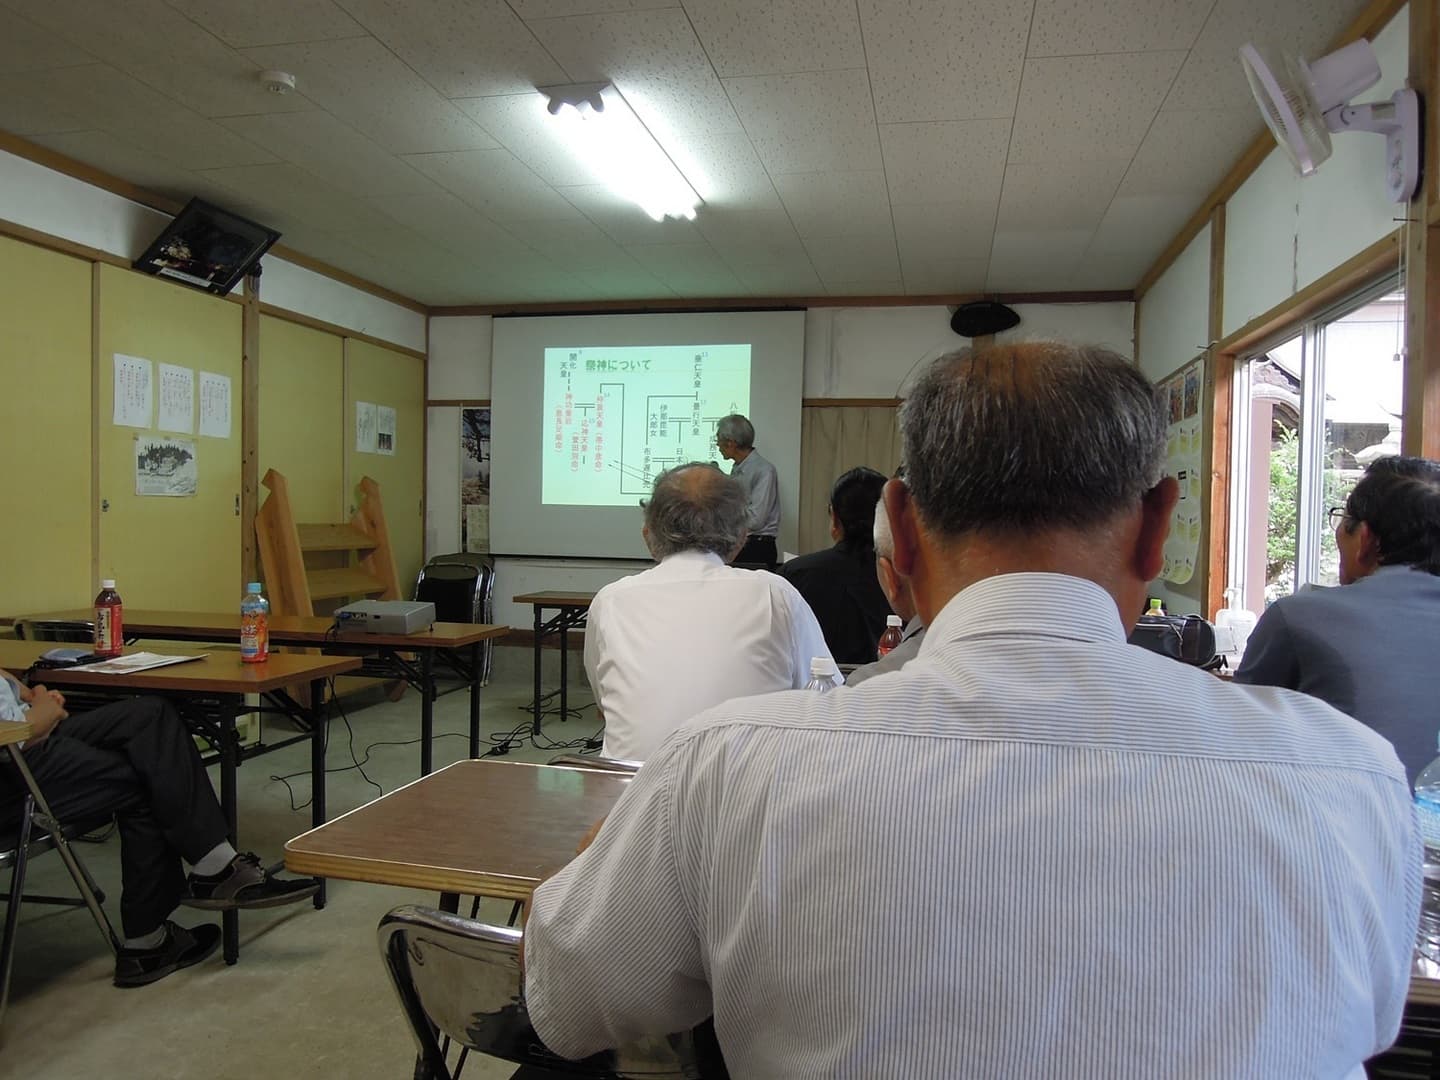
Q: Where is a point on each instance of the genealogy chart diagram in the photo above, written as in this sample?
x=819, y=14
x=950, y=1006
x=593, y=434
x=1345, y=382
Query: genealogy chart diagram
x=615, y=417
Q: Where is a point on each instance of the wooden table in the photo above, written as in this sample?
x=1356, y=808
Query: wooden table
x=210, y=694
x=571, y=611
x=456, y=645
x=478, y=828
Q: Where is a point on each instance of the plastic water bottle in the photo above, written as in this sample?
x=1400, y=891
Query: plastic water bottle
x=1157, y=606
x=109, y=620
x=822, y=674
x=1427, y=812
x=891, y=637
x=254, y=625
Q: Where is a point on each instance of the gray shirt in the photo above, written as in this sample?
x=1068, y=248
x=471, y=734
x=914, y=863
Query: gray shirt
x=1369, y=649
x=896, y=658
x=762, y=487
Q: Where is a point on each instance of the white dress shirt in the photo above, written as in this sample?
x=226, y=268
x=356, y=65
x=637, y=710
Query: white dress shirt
x=762, y=487
x=684, y=636
x=1035, y=851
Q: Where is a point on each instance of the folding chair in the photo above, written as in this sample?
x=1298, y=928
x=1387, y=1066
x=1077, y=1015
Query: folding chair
x=603, y=764
x=461, y=586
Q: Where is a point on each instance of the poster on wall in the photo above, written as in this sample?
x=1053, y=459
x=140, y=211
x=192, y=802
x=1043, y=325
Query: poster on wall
x=132, y=406
x=366, y=437
x=475, y=479
x=177, y=399
x=1184, y=446
x=385, y=430
x=214, y=405
x=165, y=466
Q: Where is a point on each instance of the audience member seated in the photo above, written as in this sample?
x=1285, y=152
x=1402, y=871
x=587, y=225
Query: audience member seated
x=1368, y=647
x=692, y=632
x=896, y=588
x=1033, y=851
x=839, y=583
x=136, y=760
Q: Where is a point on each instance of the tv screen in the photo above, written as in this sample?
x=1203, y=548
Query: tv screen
x=207, y=247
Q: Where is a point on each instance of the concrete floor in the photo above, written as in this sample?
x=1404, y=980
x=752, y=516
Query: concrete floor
x=309, y=997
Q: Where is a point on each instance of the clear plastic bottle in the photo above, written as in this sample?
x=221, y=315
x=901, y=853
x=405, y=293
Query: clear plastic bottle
x=254, y=625
x=892, y=635
x=109, y=621
x=1427, y=813
x=822, y=674
x=1157, y=606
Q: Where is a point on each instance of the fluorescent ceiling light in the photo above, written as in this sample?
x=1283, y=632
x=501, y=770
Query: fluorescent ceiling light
x=604, y=133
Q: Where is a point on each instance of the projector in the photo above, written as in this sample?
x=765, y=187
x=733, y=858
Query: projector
x=386, y=616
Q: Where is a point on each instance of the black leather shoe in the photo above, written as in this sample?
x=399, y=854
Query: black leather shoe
x=181, y=948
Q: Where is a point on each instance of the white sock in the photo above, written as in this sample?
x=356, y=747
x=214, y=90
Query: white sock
x=217, y=859
x=152, y=940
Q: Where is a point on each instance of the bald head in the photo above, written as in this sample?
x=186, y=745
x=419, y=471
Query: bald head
x=695, y=507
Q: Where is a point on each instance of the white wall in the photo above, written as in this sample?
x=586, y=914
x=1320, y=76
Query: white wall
x=1175, y=313
x=59, y=205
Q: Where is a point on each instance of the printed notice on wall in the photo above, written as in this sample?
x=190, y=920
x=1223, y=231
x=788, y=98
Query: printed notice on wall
x=214, y=405
x=177, y=399
x=1184, y=445
x=132, y=391
x=365, y=433
x=385, y=430
x=165, y=466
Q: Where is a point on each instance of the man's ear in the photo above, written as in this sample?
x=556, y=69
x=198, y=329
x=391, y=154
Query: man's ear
x=1156, y=508
x=744, y=536
x=1367, y=548
x=889, y=580
x=904, y=528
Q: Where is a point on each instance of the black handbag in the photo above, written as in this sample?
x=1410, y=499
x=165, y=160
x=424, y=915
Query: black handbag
x=1187, y=638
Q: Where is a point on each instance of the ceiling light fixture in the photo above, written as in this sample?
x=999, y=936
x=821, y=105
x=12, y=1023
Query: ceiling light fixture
x=607, y=135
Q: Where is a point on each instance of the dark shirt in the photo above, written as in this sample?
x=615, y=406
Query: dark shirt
x=840, y=586
x=1369, y=649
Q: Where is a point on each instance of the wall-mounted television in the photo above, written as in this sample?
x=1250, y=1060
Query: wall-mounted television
x=207, y=247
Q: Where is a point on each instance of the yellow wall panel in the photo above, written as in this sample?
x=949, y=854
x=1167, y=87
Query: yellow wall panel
x=302, y=417
x=177, y=553
x=393, y=379
x=45, y=416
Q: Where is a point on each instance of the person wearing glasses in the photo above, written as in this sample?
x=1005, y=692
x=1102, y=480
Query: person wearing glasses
x=1368, y=647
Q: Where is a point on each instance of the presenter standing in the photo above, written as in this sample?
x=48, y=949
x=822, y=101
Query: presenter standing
x=735, y=439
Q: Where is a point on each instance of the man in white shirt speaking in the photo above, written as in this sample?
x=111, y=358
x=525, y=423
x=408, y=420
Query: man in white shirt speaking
x=1033, y=851
x=687, y=634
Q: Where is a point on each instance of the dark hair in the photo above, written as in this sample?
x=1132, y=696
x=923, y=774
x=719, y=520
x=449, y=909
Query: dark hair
x=696, y=507
x=1030, y=436
x=852, y=498
x=1399, y=498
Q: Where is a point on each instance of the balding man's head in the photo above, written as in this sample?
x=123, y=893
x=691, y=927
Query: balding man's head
x=695, y=507
x=1031, y=437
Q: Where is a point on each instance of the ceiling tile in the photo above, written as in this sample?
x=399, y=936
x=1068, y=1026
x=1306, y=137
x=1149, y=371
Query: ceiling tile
x=463, y=48
x=575, y=245
x=866, y=287
x=294, y=191
x=495, y=183
x=809, y=122
x=945, y=161
x=270, y=22
x=1080, y=27
x=831, y=203
x=689, y=269
x=1142, y=223
x=28, y=110
x=321, y=144
x=1111, y=271
x=867, y=256
x=742, y=229
x=551, y=9
x=780, y=281
x=938, y=232
x=941, y=60
x=445, y=220
x=655, y=60
x=1072, y=197
x=623, y=280
x=24, y=46
x=763, y=37
x=523, y=125
x=364, y=84
x=725, y=170
x=1190, y=151
x=925, y=277
x=1034, y=260
x=118, y=157
x=626, y=223
x=1080, y=108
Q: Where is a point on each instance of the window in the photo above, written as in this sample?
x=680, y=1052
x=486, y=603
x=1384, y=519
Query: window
x=1311, y=410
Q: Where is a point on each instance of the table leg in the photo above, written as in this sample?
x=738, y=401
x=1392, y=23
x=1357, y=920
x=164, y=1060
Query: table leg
x=319, y=722
x=564, y=655
x=535, y=723
x=427, y=711
x=475, y=652
x=230, y=921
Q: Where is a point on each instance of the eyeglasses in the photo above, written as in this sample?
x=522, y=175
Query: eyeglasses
x=1336, y=514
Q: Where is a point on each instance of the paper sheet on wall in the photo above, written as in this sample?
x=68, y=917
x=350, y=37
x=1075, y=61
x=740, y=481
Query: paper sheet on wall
x=1184, y=459
x=214, y=405
x=385, y=430
x=365, y=434
x=177, y=399
x=132, y=391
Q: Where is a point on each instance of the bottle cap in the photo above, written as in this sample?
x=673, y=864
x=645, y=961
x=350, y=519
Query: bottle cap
x=822, y=665
x=107, y=583
x=893, y=620
x=253, y=587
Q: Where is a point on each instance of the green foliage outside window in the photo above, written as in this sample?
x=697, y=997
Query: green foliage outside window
x=1282, y=535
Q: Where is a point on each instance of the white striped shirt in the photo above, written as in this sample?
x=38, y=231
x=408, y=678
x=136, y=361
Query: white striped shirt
x=1035, y=851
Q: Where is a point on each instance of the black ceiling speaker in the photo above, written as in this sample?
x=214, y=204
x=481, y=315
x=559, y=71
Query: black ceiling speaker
x=983, y=317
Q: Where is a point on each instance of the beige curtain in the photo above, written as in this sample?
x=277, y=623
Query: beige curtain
x=832, y=440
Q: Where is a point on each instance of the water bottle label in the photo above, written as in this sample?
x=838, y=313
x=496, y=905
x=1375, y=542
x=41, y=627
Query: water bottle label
x=254, y=636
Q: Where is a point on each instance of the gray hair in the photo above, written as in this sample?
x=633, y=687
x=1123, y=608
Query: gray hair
x=696, y=507
x=1032, y=435
x=884, y=539
x=736, y=428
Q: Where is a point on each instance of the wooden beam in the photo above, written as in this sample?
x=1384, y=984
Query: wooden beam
x=849, y=403
x=1375, y=16
x=461, y=403
x=1421, y=431
x=249, y=429
x=340, y=331
x=1215, y=451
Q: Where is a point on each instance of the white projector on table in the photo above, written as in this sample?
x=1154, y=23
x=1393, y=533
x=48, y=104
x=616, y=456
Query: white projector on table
x=386, y=616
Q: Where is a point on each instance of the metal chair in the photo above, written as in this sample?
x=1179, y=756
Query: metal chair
x=26, y=844
x=78, y=631
x=461, y=586
x=601, y=764
x=463, y=978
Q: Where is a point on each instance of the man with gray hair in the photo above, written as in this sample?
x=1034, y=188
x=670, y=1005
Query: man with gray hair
x=1090, y=860
x=691, y=632
x=735, y=439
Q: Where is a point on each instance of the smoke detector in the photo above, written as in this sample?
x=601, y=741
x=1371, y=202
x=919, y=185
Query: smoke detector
x=277, y=82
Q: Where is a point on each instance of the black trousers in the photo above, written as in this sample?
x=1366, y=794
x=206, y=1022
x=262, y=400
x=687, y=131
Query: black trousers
x=759, y=550
x=136, y=760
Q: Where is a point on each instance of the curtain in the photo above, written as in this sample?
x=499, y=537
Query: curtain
x=834, y=439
